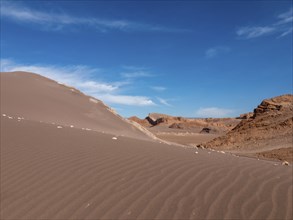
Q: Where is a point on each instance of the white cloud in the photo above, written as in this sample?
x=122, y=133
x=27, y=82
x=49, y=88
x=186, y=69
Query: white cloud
x=136, y=74
x=158, y=88
x=253, y=32
x=79, y=77
x=58, y=21
x=286, y=17
x=289, y=31
x=127, y=100
x=283, y=27
x=214, y=112
x=163, y=101
x=214, y=51
x=97, y=86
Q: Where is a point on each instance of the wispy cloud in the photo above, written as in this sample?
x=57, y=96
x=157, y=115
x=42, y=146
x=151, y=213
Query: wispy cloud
x=81, y=78
x=54, y=21
x=214, y=112
x=286, y=17
x=282, y=27
x=136, y=74
x=158, y=88
x=163, y=101
x=253, y=32
x=127, y=100
x=215, y=51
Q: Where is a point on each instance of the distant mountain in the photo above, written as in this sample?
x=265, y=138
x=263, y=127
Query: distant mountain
x=162, y=122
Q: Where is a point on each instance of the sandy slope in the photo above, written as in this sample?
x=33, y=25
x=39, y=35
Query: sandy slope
x=38, y=98
x=69, y=173
x=55, y=171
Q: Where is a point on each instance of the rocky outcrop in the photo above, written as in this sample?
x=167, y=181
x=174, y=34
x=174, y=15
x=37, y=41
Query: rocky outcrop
x=269, y=127
x=279, y=103
x=142, y=122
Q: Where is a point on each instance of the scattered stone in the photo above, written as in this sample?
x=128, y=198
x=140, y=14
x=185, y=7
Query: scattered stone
x=285, y=163
x=59, y=126
x=10, y=117
x=4, y=115
x=114, y=138
x=223, y=152
x=71, y=126
x=196, y=152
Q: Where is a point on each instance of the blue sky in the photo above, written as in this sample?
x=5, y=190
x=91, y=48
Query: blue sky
x=187, y=58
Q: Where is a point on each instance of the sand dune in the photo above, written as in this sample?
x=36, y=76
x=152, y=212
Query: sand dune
x=76, y=173
x=38, y=98
x=68, y=173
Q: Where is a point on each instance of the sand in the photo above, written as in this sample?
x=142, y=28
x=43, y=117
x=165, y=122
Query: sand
x=188, y=139
x=77, y=173
x=69, y=173
x=38, y=98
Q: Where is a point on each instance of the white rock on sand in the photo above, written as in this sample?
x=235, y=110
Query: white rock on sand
x=59, y=126
x=114, y=138
x=285, y=163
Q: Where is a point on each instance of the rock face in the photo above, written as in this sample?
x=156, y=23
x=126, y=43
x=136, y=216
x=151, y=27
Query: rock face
x=142, y=122
x=270, y=127
x=279, y=103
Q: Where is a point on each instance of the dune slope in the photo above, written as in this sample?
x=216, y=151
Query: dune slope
x=69, y=173
x=38, y=98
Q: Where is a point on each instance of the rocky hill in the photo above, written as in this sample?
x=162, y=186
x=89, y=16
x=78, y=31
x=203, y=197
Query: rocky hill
x=268, y=128
x=167, y=123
